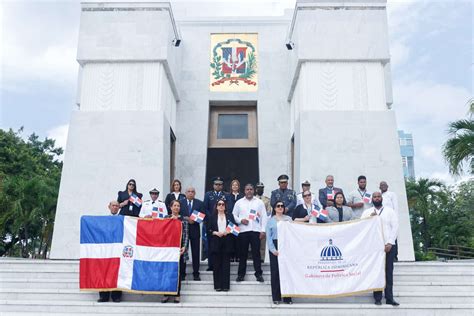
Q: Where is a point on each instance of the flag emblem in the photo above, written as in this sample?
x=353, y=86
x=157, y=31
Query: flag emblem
x=197, y=216
x=252, y=215
x=233, y=229
x=127, y=252
x=330, y=195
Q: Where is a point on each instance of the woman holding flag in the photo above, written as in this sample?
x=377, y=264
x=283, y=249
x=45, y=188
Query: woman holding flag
x=175, y=207
x=221, y=227
x=130, y=200
x=272, y=243
x=304, y=212
x=339, y=212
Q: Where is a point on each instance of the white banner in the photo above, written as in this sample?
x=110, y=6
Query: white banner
x=329, y=260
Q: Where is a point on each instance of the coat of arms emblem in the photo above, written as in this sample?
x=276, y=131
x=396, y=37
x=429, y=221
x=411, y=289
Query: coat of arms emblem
x=234, y=62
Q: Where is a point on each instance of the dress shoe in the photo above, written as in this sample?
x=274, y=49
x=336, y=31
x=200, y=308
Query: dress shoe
x=276, y=302
x=378, y=303
x=116, y=300
x=239, y=279
x=225, y=290
x=393, y=303
x=197, y=278
x=209, y=269
x=102, y=300
x=260, y=278
x=165, y=299
x=218, y=290
x=288, y=301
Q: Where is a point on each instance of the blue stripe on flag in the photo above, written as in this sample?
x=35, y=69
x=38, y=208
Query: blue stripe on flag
x=101, y=229
x=155, y=276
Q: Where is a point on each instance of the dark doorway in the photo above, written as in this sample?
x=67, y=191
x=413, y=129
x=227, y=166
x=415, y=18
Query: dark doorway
x=232, y=163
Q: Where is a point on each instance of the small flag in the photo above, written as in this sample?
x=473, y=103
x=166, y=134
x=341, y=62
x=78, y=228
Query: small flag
x=253, y=215
x=323, y=215
x=315, y=210
x=330, y=195
x=367, y=197
x=154, y=212
x=161, y=215
x=135, y=200
x=197, y=216
x=233, y=229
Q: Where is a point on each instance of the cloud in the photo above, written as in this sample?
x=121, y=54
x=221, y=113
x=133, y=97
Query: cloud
x=59, y=134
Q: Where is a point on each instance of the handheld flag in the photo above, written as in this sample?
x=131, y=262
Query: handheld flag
x=367, y=197
x=154, y=212
x=315, y=210
x=252, y=215
x=135, y=200
x=233, y=229
x=323, y=215
x=330, y=195
x=197, y=216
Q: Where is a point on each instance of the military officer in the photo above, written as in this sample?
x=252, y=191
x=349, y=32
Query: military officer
x=154, y=207
x=284, y=194
x=306, y=186
x=210, y=200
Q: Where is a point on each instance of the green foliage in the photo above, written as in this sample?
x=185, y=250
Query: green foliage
x=459, y=148
x=440, y=215
x=251, y=69
x=29, y=184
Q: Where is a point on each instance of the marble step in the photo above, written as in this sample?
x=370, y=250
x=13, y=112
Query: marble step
x=207, y=275
x=36, y=283
x=39, y=307
x=234, y=296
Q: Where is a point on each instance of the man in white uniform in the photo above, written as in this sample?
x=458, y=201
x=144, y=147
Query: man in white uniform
x=154, y=207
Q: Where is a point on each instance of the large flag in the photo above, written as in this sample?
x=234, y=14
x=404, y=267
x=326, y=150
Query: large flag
x=329, y=260
x=131, y=254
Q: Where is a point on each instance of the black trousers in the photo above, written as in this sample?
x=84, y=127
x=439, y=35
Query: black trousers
x=181, y=264
x=194, y=242
x=243, y=241
x=275, y=276
x=106, y=295
x=221, y=271
x=389, y=259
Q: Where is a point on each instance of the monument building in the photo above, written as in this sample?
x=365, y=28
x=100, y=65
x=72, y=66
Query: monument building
x=165, y=92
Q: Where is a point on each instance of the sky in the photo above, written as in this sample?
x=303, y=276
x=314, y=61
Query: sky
x=431, y=46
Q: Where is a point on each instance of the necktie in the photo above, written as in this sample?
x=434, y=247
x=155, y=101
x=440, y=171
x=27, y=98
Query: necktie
x=189, y=207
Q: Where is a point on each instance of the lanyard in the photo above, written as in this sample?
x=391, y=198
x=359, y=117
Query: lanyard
x=362, y=193
x=381, y=210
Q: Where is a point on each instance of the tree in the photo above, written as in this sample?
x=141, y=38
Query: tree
x=459, y=148
x=29, y=185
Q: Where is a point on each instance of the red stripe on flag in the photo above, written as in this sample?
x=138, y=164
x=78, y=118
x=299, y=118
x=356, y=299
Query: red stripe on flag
x=156, y=233
x=98, y=273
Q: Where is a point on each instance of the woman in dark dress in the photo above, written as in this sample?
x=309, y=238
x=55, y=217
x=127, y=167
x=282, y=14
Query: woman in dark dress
x=175, y=214
x=235, y=194
x=302, y=212
x=126, y=206
x=175, y=194
x=222, y=244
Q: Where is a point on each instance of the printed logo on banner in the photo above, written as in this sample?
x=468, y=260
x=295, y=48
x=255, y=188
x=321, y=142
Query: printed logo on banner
x=127, y=252
x=331, y=253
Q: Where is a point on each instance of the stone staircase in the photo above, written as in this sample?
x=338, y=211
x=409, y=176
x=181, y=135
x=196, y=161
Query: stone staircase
x=44, y=287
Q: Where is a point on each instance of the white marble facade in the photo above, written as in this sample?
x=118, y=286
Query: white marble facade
x=332, y=93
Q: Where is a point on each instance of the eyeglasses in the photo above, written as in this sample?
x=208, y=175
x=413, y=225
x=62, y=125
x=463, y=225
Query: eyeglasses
x=132, y=184
x=279, y=205
x=306, y=195
x=220, y=204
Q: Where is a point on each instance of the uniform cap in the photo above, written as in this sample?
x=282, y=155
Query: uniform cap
x=218, y=180
x=259, y=185
x=283, y=178
x=154, y=191
x=306, y=183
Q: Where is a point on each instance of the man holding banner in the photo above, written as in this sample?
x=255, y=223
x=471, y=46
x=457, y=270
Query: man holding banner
x=390, y=231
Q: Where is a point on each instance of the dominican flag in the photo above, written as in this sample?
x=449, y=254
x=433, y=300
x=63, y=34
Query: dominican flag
x=130, y=254
x=158, y=212
x=233, y=229
x=323, y=215
x=135, y=200
x=253, y=215
x=367, y=197
x=315, y=210
x=197, y=216
x=330, y=195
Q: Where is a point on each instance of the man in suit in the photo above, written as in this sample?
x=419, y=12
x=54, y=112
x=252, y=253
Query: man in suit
x=326, y=195
x=210, y=200
x=188, y=205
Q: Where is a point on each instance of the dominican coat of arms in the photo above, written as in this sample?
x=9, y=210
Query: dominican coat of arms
x=233, y=62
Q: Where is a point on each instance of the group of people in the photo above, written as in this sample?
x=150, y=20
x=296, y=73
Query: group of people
x=256, y=217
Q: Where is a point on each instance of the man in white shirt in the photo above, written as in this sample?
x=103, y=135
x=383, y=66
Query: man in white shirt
x=152, y=208
x=390, y=231
x=359, y=199
x=389, y=197
x=251, y=216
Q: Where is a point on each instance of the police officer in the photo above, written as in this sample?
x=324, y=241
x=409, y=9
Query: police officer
x=284, y=194
x=153, y=205
x=210, y=200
